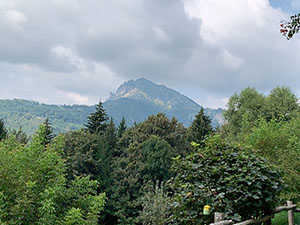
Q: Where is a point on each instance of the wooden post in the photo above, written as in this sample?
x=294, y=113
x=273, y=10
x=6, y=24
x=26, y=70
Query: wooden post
x=290, y=213
x=219, y=217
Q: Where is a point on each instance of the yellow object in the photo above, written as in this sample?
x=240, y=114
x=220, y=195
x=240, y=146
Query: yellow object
x=206, y=210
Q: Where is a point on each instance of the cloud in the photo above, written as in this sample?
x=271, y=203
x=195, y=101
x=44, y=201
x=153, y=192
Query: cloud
x=15, y=17
x=70, y=51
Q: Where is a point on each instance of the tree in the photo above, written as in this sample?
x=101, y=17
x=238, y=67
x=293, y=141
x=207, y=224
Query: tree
x=279, y=143
x=122, y=127
x=45, y=133
x=111, y=135
x=245, y=107
x=289, y=28
x=48, y=132
x=230, y=180
x=281, y=104
x=248, y=107
x=155, y=205
x=97, y=121
x=34, y=190
x=3, y=131
x=80, y=153
x=20, y=135
x=200, y=127
x=145, y=153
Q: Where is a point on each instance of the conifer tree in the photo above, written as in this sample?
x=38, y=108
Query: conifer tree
x=201, y=126
x=3, y=130
x=48, y=132
x=122, y=127
x=97, y=121
x=44, y=134
x=20, y=135
x=110, y=134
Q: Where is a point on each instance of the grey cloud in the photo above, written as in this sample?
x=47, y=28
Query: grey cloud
x=154, y=39
x=133, y=50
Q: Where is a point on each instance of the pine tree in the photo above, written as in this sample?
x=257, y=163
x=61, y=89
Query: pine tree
x=97, y=121
x=48, y=132
x=20, y=135
x=44, y=134
x=3, y=130
x=110, y=134
x=122, y=127
x=201, y=126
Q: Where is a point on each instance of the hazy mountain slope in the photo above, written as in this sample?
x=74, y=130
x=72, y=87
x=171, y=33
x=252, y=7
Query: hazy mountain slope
x=30, y=115
x=143, y=98
x=133, y=100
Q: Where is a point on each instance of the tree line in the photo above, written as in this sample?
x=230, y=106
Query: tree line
x=157, y=171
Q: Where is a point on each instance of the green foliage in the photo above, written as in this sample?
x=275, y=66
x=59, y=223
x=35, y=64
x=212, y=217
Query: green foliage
x=97, y=121
x=281, y=104
x=245, y=109
x=29, y=115
x=156, y=206
x=80, y=154
x=279, y=142
x=143, y=165
x=282, y=218
x=200, y=128
x=231, y=180
x=20, y=136
x=249, y=105
x=122, y=127
x=168, y=129
x=3, y=130
x=42, y=136
x=145, y=153
x=48, y=132
x=33, y=185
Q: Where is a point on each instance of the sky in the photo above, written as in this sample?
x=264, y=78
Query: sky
x=78, y=52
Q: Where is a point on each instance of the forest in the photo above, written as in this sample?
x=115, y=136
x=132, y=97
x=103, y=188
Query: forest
x=157, y=171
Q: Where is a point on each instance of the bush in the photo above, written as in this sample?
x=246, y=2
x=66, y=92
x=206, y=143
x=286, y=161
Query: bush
x=230, y=180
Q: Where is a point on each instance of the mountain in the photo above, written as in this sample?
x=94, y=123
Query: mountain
x=30, y=114
x=133, y=100
x=136, y=100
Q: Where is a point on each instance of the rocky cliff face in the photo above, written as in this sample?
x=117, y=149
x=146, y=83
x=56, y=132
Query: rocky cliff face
x=136, y=100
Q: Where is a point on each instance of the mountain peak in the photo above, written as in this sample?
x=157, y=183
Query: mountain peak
x=143, y=89
x=143, y=97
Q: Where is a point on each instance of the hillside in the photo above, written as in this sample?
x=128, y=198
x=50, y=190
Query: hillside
x=136, y=100
x=133, y=100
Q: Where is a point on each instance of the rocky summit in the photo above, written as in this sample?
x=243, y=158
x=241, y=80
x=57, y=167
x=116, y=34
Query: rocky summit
x=135, y=100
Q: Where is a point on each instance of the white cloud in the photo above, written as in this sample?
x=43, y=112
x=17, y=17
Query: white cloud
x=15, y=18
x=72, y=58
x=75, y=98
x=230, y=60
x=230, y=20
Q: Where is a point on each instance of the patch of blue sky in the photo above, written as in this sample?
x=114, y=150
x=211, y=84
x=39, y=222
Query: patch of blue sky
x=289, y=6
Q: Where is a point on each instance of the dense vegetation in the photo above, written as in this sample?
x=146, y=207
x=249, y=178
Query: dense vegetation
x=157, y=171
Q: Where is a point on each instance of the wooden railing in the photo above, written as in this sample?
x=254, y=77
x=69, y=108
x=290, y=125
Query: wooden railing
x=290, y=207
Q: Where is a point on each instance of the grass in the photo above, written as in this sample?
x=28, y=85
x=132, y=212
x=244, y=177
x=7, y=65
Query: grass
x=281, y=218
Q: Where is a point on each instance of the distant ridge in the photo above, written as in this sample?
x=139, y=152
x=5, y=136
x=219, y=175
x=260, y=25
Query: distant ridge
x=134, y=100
x=137, y=99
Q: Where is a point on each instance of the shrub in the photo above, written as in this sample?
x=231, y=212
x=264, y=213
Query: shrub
x=230, y=180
